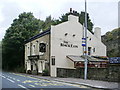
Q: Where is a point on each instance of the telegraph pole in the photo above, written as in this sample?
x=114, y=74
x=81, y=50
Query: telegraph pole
x=86, y=61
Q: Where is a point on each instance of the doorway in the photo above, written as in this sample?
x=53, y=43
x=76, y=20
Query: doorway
x=89, y=50
x=41, y=66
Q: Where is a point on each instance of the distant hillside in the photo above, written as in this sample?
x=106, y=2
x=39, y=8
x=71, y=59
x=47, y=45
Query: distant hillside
x=112, y=41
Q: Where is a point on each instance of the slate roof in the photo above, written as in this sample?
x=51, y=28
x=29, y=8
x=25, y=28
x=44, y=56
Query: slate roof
x=82, y=58
x=38, y=35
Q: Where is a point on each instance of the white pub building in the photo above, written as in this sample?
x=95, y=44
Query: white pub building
x=61, y=47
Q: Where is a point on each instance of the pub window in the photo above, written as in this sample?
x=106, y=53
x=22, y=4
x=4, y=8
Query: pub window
x=28, y=51
x=42, y=47
x=73, y=35
x=93, y=49
x=31, y=66
x=53, y=60
x=89, y=50
x=90, y=39
x=33, y=49
x=66, y=34
x=34, y=46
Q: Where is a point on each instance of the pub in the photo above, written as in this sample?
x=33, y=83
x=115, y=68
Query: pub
x=61, y=47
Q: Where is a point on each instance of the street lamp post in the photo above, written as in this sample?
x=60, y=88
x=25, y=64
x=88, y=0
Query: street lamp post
x=85, y=63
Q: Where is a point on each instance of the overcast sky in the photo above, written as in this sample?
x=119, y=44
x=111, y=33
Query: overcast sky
x=103, y=13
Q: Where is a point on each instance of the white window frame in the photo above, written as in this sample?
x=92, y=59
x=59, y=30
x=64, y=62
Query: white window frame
x=41, y=53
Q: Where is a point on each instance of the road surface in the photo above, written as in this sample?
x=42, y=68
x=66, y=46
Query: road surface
x=18, y=81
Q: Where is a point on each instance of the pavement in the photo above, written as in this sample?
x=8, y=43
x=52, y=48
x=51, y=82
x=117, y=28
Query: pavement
x=90, y=83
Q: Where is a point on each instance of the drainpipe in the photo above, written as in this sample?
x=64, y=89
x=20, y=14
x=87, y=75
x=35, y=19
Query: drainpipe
x=50, y=48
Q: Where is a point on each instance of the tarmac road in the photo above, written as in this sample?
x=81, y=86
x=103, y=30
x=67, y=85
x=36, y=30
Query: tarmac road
x=18, y=81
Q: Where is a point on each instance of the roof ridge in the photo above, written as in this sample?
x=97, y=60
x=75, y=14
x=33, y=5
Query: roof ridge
x=38, y=35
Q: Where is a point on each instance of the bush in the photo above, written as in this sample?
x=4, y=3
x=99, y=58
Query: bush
x=45, y=72
x=34, y=72
x=20, y=70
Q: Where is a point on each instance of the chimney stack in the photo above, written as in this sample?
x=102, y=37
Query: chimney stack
x=97, y=32
x=70, y=10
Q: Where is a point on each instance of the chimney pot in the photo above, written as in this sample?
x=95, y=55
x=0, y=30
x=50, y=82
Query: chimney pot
x=70, y=10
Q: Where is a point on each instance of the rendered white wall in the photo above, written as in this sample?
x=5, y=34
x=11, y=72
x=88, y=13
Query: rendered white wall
x=58, y=35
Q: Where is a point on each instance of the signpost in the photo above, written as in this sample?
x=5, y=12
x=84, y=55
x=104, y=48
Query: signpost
x=85, y=71
x=83, y=42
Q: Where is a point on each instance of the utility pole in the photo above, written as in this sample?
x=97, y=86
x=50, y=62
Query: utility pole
x=85, y=63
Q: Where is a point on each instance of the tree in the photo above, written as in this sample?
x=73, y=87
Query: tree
x=20, y=30
x=47, y=23
x=112, y=39
x=82, y=20
x=81, y=16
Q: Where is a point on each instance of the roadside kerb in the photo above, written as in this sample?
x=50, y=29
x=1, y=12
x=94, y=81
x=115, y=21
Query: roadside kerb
x=78, y=83
x=84, y=84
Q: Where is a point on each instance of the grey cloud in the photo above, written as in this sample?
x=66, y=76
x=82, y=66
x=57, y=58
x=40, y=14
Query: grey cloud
x=10, y=11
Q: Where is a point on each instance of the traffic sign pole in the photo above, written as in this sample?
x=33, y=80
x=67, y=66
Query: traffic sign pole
x=85, y=71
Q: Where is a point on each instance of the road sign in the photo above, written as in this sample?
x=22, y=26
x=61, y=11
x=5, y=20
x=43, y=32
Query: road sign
x=114, y=60
x=83, y=42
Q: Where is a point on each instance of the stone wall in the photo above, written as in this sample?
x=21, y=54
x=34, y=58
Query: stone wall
x=112, y=73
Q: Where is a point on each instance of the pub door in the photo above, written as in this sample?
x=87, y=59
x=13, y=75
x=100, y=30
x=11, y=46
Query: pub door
x=41, y=66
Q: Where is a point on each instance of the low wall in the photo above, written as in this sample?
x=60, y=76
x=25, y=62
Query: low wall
x=111, y=73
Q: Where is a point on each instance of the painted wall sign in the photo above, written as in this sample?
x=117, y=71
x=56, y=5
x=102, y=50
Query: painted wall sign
x=67, y=44
x=114, y=60
x=35, y=57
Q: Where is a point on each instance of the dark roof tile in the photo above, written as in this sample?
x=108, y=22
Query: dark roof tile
x=38, y=35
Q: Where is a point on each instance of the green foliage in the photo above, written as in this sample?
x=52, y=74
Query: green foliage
x=45, y=72
x=47, y=23
x=81, y=16
x=82, y=21
x=20, y=69
x=35, y=72
x=20, y=30
x=112, y=40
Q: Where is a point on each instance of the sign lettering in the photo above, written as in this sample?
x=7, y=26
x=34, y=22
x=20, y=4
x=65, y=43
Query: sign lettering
x=66, y=44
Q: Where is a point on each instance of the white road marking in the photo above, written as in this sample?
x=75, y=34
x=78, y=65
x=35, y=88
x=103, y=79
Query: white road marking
x=18, y=80
x=10, y=77
x=13, y=78
x=23, y=87
x=10, y=80
x=3, y=76
x=31, y=85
